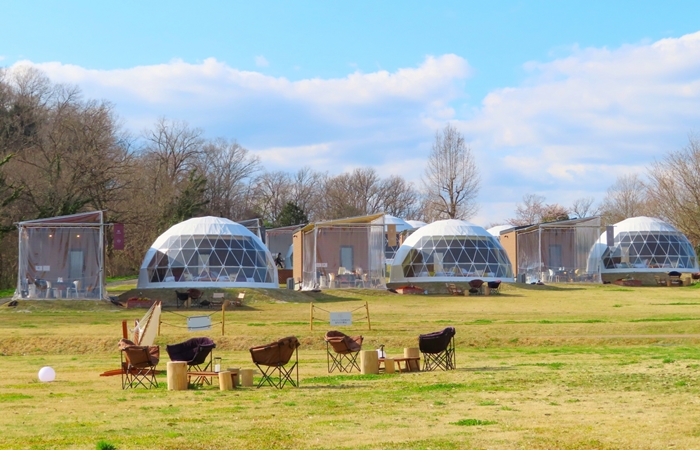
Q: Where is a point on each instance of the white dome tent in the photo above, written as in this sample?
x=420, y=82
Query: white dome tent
x=496, y=231
x=208, y=252
x=448, y=251
x=416, y=223
x=643, y=244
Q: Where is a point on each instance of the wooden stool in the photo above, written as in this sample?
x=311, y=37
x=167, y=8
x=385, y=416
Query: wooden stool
x=388, y=365
x=413, y=364
x=235, y=375
x=225, y=381
x=177, y=375
x=247, y=377
x=369, y=362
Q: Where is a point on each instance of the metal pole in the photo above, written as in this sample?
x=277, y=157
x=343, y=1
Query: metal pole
x=311, y=316
x=369, y=324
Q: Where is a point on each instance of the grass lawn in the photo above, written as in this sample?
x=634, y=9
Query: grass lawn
x=539, y=367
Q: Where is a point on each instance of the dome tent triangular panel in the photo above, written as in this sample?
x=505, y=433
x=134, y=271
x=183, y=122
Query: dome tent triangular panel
x=643, y=244
x=214, y=257
x=448, y=249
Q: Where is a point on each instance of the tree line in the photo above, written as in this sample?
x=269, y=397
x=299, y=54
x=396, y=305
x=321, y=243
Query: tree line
x=61, y=154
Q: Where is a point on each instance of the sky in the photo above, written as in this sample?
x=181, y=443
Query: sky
x=554, y=98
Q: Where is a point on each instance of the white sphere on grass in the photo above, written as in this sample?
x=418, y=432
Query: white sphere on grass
x=47, y=374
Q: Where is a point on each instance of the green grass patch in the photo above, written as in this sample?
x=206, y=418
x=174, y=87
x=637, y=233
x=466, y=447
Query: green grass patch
x=13, y=397
x=664, y=319
x=473, y=422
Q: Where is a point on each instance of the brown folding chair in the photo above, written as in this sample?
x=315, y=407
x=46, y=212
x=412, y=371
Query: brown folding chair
x=475, y=287
x=138, y=364
x=272, y=359
x=344, y=351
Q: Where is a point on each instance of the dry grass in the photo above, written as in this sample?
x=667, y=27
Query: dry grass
x=573, y=367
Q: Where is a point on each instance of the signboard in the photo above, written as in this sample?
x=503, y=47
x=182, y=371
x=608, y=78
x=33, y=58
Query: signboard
x=198, y=323
x=323, y=265
x=341, y=318
x=118, y=241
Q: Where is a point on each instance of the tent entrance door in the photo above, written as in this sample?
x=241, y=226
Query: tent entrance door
x=75, y=261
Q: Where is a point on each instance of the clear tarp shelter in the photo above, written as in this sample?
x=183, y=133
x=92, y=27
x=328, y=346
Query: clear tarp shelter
x=557, y=251
x=208, y=252
x=395, y=228
x=279, y=241
x=643, y=244
x=450, y=251
x=344, y=253
x=62, y=257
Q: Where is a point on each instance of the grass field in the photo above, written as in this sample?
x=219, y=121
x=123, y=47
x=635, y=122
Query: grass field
x=539, y=367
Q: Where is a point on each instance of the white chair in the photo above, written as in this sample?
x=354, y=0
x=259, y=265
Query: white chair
x=73, y=292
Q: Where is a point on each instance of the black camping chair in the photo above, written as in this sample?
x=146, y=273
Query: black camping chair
x=438, y=349
x=138, y=363
x=272, y=359
x=342, y=351
x=197, y=352
x=181, y=298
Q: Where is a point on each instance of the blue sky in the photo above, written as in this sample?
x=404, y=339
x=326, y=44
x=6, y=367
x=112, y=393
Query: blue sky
x=556, y=98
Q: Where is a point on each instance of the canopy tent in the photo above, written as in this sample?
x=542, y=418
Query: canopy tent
x=62, y=257
x=447, y=249
x=342, y=253
x=208, y=252
x=642, y=244
x=556, y=251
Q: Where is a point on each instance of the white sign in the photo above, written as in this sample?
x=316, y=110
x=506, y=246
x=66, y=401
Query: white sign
x=198, y=323
x=341, y=318
x=323, y=265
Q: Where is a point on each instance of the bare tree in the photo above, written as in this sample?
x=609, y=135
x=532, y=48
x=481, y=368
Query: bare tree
x=271, y=194
x=307, y=191
x=534, y=210
x=228, y=168
x=451, y=180
x=398, y=197
x=583, y=207
x=674, y=189
x=626, y=198
x=175, y=147
x=529, y=211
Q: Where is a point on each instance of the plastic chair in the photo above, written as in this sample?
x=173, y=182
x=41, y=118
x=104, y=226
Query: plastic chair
x=138, y=364
x=344, y=351
x=438, y=349
x=272, y=359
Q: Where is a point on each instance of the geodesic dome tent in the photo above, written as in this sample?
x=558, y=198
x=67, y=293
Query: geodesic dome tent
x=208, y=252
x=416, y=223
x=643, y=244
x=448, y=249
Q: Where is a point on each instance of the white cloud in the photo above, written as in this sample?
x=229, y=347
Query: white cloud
x=261, y=61
x=571, y=127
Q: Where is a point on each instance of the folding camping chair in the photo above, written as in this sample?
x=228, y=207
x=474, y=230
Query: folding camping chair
x=272, y=359
x=138, y=363
x=475, y=287
x=438, y=349
x=195, y=352
x=495, y=286
x=345, y=350
x=181, y=298
x=453, y=289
